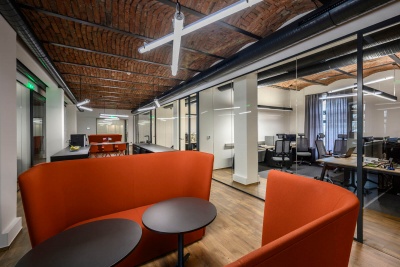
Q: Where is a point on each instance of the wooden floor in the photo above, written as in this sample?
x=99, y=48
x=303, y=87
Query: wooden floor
x=235, y=232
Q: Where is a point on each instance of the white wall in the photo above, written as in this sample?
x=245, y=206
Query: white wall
x=86, y=121
x=165, y=126
x=10, y=224
x=271, y=122
x=216, y=126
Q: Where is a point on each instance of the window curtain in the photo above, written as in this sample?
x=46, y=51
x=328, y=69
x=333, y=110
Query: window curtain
x=336, y=120
x=313, y=118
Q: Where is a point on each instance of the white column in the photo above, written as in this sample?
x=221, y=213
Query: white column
x=54, y=121
x=245, y=129
x=71, y=121
x=10, y=224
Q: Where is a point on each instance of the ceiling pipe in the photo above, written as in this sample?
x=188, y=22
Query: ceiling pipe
x=321, y=19
x=18, y=23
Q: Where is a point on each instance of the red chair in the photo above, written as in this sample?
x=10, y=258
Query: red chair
x=306, y=223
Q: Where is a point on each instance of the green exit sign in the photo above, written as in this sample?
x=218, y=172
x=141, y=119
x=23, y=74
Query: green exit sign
x=30, y=85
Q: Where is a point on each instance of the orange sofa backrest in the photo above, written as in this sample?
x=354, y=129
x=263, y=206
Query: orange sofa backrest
x=100, y=138
x=306, y=223
x=59, y=194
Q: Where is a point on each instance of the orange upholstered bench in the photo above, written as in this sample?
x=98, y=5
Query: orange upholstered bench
x=306, y=223
x=60, y=195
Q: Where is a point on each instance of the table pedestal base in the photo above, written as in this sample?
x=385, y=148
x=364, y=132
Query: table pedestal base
x=181, y=259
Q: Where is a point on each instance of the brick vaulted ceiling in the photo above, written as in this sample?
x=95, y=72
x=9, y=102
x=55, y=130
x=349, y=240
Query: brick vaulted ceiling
x=94, y=43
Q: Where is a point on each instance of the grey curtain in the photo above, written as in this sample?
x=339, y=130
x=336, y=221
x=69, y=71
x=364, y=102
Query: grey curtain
x=313, y=118
x=336, y=120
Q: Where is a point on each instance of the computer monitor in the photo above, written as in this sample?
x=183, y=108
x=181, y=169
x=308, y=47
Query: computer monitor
x=269, y=140
x=393, y=151
x=78, y=139
x=291, y=137
x=393, y=139
x=281, y=136
x=373, y=149
x=368, y=138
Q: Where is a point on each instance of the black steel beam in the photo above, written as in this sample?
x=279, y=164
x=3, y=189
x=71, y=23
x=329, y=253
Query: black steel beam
x=310, y=81
x=345, y=72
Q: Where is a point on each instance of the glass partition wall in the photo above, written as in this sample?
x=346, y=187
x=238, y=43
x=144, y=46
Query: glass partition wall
x=338, y=100
x=381, y=132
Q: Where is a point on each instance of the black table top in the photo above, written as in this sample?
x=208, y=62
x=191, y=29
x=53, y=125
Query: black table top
x=99, y=243
x=154, y=148
x=179, y=215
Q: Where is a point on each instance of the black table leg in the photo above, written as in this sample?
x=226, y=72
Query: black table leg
x=181, y=258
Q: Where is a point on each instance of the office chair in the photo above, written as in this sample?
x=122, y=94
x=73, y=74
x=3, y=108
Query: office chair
x=321, y=149
x=340, y=146
x=282, y=154
x=302, y=149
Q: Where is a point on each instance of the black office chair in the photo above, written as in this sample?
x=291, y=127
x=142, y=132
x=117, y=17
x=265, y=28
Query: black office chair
x=321, y=149
x=282, y=154
x=340, y=146
x=302, y=149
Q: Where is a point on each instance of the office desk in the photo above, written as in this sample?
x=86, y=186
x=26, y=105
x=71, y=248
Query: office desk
x=351, y=163
x=101, y=243
x=66, y=154
x=141, y=148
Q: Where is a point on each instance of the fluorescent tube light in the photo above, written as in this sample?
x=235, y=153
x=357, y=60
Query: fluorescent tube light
x=86, y=101
x=244, y=112
x=220, y=14
x=85, y=108
x=226, y=108
x=111, y=119
x=114, y=115
x=355, y=85
x=178, y=26
x=274, y=108
x=338, y=96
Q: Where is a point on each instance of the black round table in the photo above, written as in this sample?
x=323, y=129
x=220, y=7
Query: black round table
x=178, y=216
x=99, y=243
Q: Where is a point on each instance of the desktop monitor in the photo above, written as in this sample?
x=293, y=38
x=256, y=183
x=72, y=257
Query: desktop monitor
x=368, y=138
x=291, y=137
x=281, y=136
x=78, y=140
x=392, y=139
x=269, y=140
x=393, y=151
x=373, y=149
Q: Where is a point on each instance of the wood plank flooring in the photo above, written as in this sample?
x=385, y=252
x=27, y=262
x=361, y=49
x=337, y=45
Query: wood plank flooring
x=235, y=232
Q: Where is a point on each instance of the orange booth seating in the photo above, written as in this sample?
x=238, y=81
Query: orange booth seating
x=101, y=138
x=306, y=223
x=60, y=195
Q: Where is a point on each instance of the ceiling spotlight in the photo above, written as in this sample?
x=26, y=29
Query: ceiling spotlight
x=83, y=102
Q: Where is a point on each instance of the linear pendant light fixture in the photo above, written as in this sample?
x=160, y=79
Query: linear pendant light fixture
x=180, y=31
x=86, y=101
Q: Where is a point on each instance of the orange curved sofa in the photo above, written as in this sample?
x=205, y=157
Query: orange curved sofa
x=307, y=223
x=60, y=195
